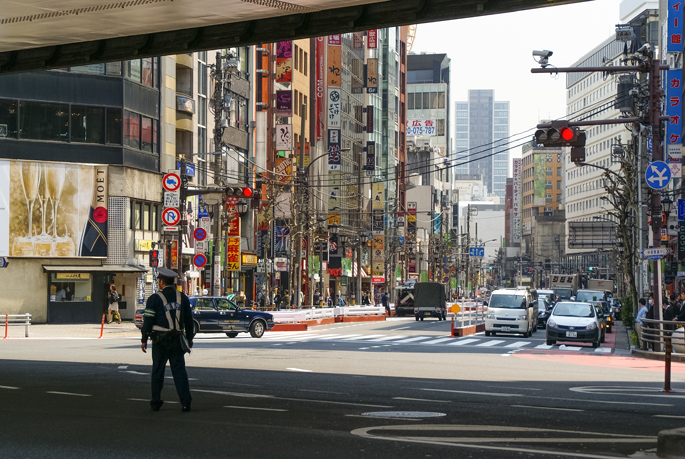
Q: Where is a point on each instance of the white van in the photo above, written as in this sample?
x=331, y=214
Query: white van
x=512, y=310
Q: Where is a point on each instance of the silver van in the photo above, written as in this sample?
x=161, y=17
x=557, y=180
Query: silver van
x=512, y=310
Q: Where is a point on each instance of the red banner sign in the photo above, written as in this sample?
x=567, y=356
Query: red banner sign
x=372, y=38
x=320, y=87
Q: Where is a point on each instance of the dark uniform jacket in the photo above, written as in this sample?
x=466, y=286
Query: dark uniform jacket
x=155, y=315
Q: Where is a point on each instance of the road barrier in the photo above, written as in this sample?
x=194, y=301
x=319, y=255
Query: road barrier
x=102, y=327
x=303, y=315
x=469, y=320
x=666, y=334
x=16, y=319
x=360, y=311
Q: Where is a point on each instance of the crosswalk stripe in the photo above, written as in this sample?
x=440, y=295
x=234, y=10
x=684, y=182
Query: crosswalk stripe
x=569, y=348
x=603, y=349
x=332, y=336
x=461, y=342
x=409, y=340
x=544, y=346
x=436, y=341
x=363, y=337
x=387, y=338
x=490, y=343
x=518, y=344
x=313, y=336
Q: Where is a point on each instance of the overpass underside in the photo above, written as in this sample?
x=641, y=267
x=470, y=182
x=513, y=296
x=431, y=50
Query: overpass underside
x=36, y=35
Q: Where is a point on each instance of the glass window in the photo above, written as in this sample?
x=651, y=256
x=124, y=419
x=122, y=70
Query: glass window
x=434, y=100
x=501, y=121
x=42, y=121
x=440, y=127
x=137, y=217
x=87, y=124
x=8, y=117
x=462, y=136
x=225, y=305
x=204, y=304
x=131, y=129
x=410, y=101
x=146, y=77
x=146, y=217
x=426, y=100
x=154, y=224
x=97, y=69
x=134, y=70
x=146, y=134
x=462, y=121
x=463, y=114
x=155, y=133
x=71, y=287
x=155, y=72
x=462, y=128
x=306, y=63
x=113, y=68
x=441, y=100
x=462, y=107
x=114, y=126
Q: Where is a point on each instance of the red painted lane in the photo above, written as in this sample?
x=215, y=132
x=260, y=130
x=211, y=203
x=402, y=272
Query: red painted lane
x=599, y=360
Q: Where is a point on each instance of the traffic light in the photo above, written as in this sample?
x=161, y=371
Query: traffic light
x=239, y=192
x=560, y=135
x=256, y=196
x=590, y=268
x=153, y=258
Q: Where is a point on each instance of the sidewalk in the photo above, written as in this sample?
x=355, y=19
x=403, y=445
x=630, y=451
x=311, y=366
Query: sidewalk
x=637, y=352
x=73, y=331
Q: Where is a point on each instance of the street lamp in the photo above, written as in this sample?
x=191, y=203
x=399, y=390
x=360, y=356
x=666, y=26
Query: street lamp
x=667, y=203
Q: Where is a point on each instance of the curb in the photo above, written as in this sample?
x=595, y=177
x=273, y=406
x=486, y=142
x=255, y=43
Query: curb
x=470, y=330
x=289, y=327
x=657, y=356
x=671, y=443
x=360, y=319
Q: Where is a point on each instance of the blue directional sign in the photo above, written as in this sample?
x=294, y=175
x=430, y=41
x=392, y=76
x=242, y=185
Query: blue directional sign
x=658, y=175
x=681, y=210
x=190, y=168
x=656, y=253
x=4, y=262
x=477, y=252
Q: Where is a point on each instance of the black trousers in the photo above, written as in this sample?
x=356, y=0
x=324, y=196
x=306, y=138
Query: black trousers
x=161, y=353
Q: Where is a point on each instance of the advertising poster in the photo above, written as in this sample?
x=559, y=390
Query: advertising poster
x=284, y=62
x=411, y=218
x=421, y=127
x=372, y=75
x=334, y=104
x=674, y=108
x=284, y=137
x=283, y=169
x=233, y=217
x=539, y=180
x=334, y=66
x=174, y=255
x=370, y=156
x=377, y=226
x=284, y=103
x=320, y=88
x=335, y=40
x=369, y=119
x=372, y=38
x=281, y=239
x=358, y=40
x=516, y=203
x=53, y=210
x=233, y=253
x=334, y=149
x=378, y=196
x=191, y=217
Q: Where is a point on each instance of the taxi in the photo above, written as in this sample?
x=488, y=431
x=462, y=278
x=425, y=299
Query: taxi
x=219, y=315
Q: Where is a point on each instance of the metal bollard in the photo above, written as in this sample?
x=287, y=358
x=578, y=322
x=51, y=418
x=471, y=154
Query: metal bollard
x=667, y=364
x=6, y=324
x=26, y=325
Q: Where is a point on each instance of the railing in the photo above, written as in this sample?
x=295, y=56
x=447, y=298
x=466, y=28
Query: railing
x=471, y=313
x=666, y=334
x=16, y=319
x=360, y=311
x=301, y=315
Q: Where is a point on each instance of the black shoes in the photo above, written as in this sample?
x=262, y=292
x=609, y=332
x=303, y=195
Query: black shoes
x=185, y=408
x=156, y=405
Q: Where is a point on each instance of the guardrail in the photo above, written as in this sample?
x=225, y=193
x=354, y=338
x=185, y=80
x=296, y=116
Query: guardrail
x=360, y=311
x=16, y=319
x=471, y=313
x=301, y=315
x=666, y=334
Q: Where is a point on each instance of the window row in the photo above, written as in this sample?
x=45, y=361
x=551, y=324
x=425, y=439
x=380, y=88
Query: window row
x=501, y=106
x=425, y=100
x=300, y=60
x=144, y=71
x=144, y=216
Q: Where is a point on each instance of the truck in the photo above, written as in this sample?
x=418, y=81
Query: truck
x=430, y=300
x=564, y=285
x=405, y=298
x=602, y=285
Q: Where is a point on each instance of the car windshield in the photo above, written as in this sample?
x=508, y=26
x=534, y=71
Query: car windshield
x=589, y=295
x=565, y=293
x=506, y=301
x=574, y=310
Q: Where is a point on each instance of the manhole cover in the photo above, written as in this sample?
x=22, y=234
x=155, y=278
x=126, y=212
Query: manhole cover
x=404, y=414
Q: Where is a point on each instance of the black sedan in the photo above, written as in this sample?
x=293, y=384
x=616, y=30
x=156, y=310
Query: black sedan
x=544, y=309
x=219, y=315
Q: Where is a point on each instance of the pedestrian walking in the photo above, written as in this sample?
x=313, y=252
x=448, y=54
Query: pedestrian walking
x=285, y=300
x=317, y=298
x=276, y=299
x=341, y=302
x=365, y=299
x=113, y=309
x=168, y=322
x=639, y=326
x=384, y=301
x=329, y=301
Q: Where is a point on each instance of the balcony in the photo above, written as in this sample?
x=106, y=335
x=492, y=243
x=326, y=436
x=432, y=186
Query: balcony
x=184, y=60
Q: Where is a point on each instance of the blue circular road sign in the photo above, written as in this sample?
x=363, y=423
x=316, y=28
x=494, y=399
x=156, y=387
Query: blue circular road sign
x=658, y=175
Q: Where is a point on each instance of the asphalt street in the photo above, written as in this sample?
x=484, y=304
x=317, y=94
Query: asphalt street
x=329, y=393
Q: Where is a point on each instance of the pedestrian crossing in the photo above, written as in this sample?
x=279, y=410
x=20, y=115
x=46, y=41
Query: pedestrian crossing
x=475, y=341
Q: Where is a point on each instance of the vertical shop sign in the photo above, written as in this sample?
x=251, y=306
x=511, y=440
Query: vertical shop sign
x=372, y=37
x=320, y=88
x=370, y=156
x=284, y=62
x=372, y=76
x=284, y=137
x=334, y=103
x=378, y=196
x=516, y=204
x=334, y=149
x=335, y=40
x=334, y=66
x=675, y=26
x=674, y=111
x=369, y=119
x=174, y=254
x=358, y=40
x=284, y=103
x=233, y=253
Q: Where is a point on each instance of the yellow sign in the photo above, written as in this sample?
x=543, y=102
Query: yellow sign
x=143, y=245
x=334, y=219
x=378, y=196
x=249, y=259
x=72, y=276
x=233, y=266
x=233, y=253
x=455, y=309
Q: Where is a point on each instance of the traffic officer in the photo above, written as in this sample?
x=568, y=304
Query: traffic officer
x=167, y=317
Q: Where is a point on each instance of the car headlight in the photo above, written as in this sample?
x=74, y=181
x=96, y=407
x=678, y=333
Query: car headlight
x=551, y=323
x=490, y=316
x=524, y=317
x=592, y=326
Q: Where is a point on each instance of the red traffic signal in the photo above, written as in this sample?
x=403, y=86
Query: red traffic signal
x=238, y=192
x=560, y=135
x=153, y=258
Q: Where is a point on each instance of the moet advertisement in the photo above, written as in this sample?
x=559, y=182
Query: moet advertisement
x=53, y=209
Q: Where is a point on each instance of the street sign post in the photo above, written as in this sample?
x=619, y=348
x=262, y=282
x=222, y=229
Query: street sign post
x=658, y=175
x=171, y=181
x=655, y=253
x=478, y=252
x=199, y=260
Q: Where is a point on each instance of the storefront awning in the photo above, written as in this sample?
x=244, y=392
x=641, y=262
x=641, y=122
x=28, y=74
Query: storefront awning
x=93, y=269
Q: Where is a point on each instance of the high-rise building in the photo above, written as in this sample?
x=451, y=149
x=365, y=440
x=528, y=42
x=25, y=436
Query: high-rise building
x=481, y=146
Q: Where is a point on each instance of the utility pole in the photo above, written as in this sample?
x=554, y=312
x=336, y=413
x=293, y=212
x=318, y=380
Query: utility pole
x=360, y=226
x=216, y=231
x=467, y=254
x=299, y=207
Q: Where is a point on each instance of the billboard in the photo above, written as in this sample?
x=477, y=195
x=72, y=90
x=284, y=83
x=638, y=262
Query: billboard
x=334, y=159
x=378, y=196
x=320, y=87
x=372, y=36
x=516, y=203
x=284, y=62
x=592, y=235
x=334, y=65
x=284, y=137
x=284, y=102
x=674, y=110
x=421, y=127
x=539, y=179
x=334, y=106
x=372, y=75
x=53, y=210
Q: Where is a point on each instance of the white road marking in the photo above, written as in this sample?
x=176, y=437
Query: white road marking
x=381, y=417
x=506, y=355
x=331, y=337
x=603, y=350
x=146, y=400
x=421, y=400
x=363, y=337
x=668, y=416
x=387, y=338
x=273, y=397
x=493, y=394
x=67, y=393
x=409, y=340
x=544, y=408
x=253, y=408
x=461, y=342
x=9, y=387
x=402, y=328
x=518, y=344
x=544, y=346
x=436, y=341
x=363, y=348
x=122, y=367
x=136, y=372
x=564, y=347
x=299, y=369
x=491, y=343
x=345, y=337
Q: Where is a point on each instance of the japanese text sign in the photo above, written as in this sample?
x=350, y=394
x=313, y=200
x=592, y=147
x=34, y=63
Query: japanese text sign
x=675, y=26
x=334, y=104
x=233, y=253
x=334, y=149
x=421, y=127
x=674, y=111
x=372, y=37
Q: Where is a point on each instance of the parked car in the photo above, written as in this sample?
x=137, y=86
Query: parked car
x=604, y=316
x=577, y=322
x=512, y=310
x=219, y=315
x=430, y=300
x=615, y=305
x=138, y=317
x=544, y=308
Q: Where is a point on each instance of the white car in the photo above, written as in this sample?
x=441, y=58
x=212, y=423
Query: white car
x=512, y=311
x=576, y=322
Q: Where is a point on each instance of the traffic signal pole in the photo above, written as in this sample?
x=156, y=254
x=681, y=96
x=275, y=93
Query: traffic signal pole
x=216, y=231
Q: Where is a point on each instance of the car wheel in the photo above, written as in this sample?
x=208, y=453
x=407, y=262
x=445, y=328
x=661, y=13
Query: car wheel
x=551, y=342
x=257, y=329
x=595, y=345
x=494, y=333
x=487, y=333
x=196, y=328
x=231, y=334
x=535, y=328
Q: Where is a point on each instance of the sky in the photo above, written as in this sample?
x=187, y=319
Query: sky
x=495, y=52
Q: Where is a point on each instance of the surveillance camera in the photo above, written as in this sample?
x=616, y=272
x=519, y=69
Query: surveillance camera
x=545, y=54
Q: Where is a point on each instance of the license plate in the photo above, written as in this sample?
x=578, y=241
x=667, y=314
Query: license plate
x=428, y=313
x=572, y=334
x=506, y=328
